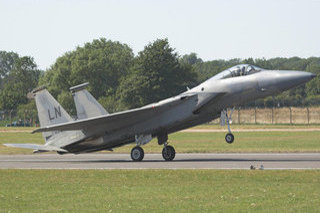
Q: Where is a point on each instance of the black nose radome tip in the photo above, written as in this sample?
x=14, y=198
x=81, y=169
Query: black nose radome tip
x=313, y=75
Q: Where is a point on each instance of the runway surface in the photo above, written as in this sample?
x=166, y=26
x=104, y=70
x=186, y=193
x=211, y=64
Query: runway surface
x=155, y=161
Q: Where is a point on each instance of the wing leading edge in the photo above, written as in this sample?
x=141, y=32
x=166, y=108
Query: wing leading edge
x=119, y=119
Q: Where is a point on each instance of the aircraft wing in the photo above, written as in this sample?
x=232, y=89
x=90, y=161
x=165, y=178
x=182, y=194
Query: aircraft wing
x=120, y=119
x=214, y=98
x=37, y=147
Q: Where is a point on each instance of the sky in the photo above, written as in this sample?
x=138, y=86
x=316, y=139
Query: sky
x=225, y=29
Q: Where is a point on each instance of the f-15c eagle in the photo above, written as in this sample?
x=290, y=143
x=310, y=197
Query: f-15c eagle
x=95, y=129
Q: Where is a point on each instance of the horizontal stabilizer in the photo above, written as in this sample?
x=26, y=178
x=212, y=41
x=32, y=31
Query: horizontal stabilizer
x=35, y=147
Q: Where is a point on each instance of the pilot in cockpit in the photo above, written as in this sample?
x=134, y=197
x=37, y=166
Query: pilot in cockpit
x=243, y=71
x=238, y=70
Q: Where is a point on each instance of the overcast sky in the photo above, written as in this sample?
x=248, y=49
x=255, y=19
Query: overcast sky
x=46, y=29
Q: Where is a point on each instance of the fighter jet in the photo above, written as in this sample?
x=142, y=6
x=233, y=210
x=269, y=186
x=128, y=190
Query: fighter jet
x=95, y=129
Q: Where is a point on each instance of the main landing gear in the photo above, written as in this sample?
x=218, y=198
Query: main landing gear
x=168, y=152
x=137, y=153
x=225, y=117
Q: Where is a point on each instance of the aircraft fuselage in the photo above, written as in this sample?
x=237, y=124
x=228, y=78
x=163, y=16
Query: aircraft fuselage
x=205, y=103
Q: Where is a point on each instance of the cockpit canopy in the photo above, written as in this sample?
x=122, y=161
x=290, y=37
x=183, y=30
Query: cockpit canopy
x=238, y=70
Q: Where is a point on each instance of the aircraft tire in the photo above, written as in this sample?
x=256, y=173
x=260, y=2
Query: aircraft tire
x=229, y=138
x=168, y=153
x=61, y=153
x=137, y=153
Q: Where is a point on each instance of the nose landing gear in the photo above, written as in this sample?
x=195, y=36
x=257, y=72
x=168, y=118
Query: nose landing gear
x=225, y=117
x=229, y=138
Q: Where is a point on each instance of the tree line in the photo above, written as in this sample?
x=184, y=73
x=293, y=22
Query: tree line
x=121, y=80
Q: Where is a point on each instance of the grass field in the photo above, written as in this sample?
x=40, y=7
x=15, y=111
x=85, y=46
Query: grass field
x=187, y=142
x=159, y=191
x=170, y=190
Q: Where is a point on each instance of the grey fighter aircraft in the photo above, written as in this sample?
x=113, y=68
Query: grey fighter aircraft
x=95, y=129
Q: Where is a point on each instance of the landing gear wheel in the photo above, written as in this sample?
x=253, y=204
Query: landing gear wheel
x=168, y=153
x=229, y=138
x=137, y=153
x=61, y=153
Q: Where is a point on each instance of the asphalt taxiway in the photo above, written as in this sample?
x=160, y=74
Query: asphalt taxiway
x=155, y=161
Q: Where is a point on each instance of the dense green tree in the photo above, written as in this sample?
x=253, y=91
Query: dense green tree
x=22, y=78
x=313, y=87
x=7, y=61
x=132, y=91
x=28, y=112
x=101, y=63
x=111, y=103
x=190, y=59
x=66, y=100
x=120, y=80
x=155, y=75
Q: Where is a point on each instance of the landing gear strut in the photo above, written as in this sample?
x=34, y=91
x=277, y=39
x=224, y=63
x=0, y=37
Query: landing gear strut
x=168, y=153
x=229, y=136
x=137, y=153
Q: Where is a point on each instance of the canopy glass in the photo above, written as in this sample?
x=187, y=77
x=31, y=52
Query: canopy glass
x=238, y=70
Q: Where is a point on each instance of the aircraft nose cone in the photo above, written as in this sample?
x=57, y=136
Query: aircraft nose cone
x=274, y=81
x=313, y=75
x=289, y=79
x=301, y=77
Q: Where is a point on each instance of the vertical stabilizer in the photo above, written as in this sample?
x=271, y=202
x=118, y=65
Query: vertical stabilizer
x=87, y=106
x=50, y=112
